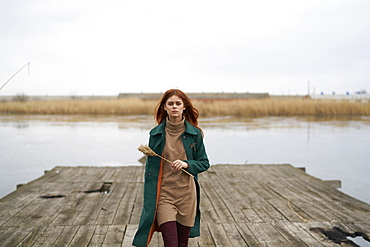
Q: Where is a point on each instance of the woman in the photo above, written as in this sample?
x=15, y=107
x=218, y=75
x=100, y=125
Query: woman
x=171, y=196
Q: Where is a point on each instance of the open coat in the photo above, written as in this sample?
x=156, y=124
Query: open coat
x=198, y=162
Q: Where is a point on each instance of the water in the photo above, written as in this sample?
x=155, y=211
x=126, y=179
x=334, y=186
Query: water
x=360, y=241
x=330, y=149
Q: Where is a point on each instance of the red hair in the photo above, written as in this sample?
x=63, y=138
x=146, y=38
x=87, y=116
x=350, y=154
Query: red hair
x=190, y=113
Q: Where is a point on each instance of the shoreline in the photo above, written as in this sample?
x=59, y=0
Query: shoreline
x=243, y=107
x=193, y=96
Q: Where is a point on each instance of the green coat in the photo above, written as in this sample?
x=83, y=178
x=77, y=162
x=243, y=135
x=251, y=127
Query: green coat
x=198, y=162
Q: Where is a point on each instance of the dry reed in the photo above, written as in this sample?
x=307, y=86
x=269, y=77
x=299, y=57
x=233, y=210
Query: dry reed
x=128, y=106
x=283, y=107
x=149, y=152
x=237, y=107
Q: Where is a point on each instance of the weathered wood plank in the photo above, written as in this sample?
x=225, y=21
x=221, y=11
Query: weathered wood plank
x=82, y=236
x=294, y=189
x=138, y=204
x=51, y=215
x=247, y=235
x=115, y=236
x=24, y=235
x=48, y=236
x=106, y=174
x=322, y=239
x=129, y=235
x=10, y=209
x=267, y=235
x=112, y=203
x=126, y=204
x=205, y=238
x=222, y=210
x=156, y=240
x=98, y=236
x=242, y=205
x=122, y=175
x=288, y=234
x=236, y=239
x=302, y=234
x=66, y=236
x=242, y=197
x=45, y=206
x=11, y=235
x=193, y=242
x=255, y=205
x=90, y=212
x=73, y=207
x=230, y=199
x=14, y=211
x=209, y=212
x=307, y=209
x=218, y=234
x=21, y=215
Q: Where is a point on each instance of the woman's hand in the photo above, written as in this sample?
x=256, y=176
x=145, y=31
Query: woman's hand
x=177, y=165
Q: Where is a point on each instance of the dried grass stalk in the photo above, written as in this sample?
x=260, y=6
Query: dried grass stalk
x=149, y=152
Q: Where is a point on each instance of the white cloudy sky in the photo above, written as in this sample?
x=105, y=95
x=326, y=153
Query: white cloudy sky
x=91, y=47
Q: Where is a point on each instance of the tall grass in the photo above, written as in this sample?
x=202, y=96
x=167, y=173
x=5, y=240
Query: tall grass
x=207, y=108
x=107, y=107
x=284, y=107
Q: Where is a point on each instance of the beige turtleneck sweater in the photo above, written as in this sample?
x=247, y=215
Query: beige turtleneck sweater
x=177, y=200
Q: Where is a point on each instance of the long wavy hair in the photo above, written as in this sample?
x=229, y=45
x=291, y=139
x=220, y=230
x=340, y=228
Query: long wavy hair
x=190, y=113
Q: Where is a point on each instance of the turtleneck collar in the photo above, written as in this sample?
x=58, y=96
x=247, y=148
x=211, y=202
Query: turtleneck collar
x=175, y=127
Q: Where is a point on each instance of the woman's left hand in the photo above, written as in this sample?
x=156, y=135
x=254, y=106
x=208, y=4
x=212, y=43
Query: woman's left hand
x=177, y=165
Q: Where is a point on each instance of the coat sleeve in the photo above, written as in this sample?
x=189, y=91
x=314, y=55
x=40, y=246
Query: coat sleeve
x=198, y=162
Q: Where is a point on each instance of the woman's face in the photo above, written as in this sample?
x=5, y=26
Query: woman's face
x=174, y=107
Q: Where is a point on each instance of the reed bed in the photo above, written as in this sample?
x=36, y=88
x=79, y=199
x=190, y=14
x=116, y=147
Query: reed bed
x=284, y=107
x=207, y=108
x=64, y=107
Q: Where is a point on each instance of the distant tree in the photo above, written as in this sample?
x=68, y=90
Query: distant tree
x=20, y=98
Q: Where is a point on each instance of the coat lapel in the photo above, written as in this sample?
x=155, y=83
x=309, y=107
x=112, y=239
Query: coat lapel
x=158, y=135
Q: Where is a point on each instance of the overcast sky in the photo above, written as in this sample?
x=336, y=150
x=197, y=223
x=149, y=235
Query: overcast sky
x=90, y=47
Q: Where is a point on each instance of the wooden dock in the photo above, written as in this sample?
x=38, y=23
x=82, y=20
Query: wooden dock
x=242, y=205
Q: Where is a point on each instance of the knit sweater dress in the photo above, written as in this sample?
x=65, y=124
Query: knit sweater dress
x=178, y=199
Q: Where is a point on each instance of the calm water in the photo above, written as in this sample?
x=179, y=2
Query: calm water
x=328, y=148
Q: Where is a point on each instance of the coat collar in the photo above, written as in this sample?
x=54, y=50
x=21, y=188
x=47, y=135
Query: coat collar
x=160, y=129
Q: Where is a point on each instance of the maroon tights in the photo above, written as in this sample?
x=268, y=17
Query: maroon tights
x=174, y=234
